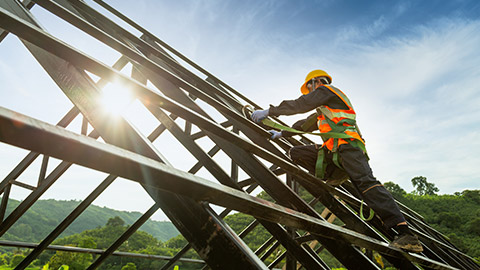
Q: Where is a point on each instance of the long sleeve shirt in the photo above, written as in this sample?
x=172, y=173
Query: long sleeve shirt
x=321, y=96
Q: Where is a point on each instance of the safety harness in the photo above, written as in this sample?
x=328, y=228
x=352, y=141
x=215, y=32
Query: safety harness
x=336, y=121
x=321, y=164
x=337, y=127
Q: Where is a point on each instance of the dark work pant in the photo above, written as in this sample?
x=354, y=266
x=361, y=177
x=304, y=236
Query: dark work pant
x=355, y=163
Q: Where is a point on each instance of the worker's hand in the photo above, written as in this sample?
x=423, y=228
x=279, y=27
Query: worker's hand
x=275, y=134
x=259, y=115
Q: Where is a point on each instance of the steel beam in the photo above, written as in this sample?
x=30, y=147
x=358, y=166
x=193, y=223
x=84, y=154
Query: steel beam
x=150, y=58
x=72, y=56
x=223, y=178
x=129, y=232
x=51, y=140
x=66, y=222
x=18, y=244
x=71, y=78
x=54, y=46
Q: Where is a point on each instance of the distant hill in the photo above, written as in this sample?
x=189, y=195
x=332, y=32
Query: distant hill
x=45, y=215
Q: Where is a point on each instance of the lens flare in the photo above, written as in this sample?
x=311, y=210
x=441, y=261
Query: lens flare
x=116, y=98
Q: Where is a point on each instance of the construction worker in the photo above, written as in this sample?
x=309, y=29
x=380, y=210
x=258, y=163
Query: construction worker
x=343, y=148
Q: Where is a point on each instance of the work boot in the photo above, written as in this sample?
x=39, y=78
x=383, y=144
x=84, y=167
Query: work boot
x=407, y=242
x=336, y=182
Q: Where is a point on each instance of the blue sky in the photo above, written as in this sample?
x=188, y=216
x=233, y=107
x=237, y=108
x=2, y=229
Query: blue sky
x=410, y=69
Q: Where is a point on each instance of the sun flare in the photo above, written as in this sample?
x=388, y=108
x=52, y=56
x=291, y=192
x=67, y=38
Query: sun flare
x=115, y=98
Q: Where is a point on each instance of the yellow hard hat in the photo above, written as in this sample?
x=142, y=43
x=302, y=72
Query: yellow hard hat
x=311, y=75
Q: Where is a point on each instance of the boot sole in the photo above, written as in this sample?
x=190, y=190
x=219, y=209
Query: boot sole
x=409, y=247
x=336, y=183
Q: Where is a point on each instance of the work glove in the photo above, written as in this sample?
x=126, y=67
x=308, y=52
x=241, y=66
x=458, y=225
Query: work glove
x=259, y=115
x=275, y=134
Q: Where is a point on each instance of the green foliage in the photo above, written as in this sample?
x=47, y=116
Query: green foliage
x=5, y=259
x=45, y=215
x=141, y=240
x=115, y=221
x=423, y=187
x=16, y=259
x=240, y=221
x=75, y=261
x=103, y=237
x=177, y=242
x=471, y=195
x=129, y=266
x=473, y=226
x=456, y=216
x=395, y=189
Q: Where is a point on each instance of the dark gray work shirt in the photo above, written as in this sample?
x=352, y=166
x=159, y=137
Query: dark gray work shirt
x=305, y=103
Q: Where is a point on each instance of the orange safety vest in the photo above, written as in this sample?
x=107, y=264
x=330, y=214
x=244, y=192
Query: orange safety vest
x=338, y=121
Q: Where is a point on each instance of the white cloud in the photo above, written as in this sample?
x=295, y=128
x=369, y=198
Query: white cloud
x=417, y=99
x=350, y=34
x=416, y=96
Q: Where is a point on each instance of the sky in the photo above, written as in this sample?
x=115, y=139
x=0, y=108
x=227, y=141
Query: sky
x=410, y=68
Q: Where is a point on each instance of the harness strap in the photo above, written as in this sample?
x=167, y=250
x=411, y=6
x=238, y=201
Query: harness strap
x=335, y=154
x=372, y=213
x=336, y=160
x=320, y=167
x=324, y=136
x=321, y=164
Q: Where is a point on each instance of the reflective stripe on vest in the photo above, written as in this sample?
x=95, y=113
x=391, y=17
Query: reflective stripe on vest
x=338, y=120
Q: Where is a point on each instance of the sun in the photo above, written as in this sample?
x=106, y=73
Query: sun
x=115, y=98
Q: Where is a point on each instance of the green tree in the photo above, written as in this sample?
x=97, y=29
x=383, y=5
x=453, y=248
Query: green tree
x=23, y=231
x=16, y=259
x=457, y=241
x=115, y=221
x=141, y=240
x=474, y=226
x=423, y=187
x=129, y=266
x=472, y=195
x=5, y=259
x=449, y=219
x=177, y=242
x=395, y=189
x=75, y=261
x=87, y=242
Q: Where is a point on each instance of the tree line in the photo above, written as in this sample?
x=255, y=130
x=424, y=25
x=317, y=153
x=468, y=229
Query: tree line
x=457, y=216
